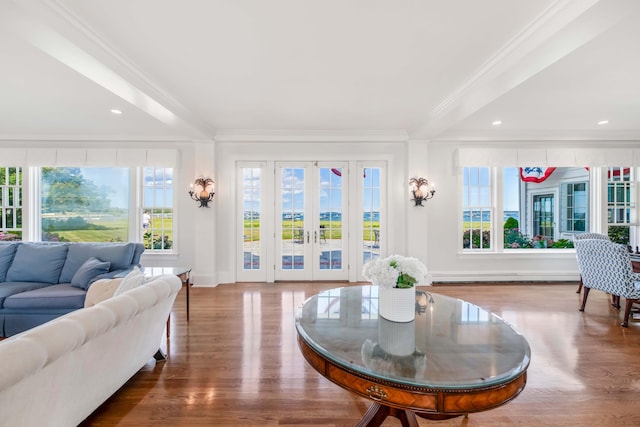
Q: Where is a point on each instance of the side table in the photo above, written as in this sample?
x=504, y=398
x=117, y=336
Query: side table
x=183, y=273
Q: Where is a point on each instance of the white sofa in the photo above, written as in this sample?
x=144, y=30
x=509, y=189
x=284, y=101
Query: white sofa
x=58, y=373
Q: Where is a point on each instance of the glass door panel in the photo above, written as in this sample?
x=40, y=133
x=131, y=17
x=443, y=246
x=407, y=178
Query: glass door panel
x=330, y=220
x=293, y=238
x=371, y=214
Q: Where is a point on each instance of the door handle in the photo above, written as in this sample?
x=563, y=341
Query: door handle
x=315, y=237
x=308, y=237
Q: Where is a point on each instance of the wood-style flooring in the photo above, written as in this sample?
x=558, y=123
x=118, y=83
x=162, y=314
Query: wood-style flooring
x=236, y=363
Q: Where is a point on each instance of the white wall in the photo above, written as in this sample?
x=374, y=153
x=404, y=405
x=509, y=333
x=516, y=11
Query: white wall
x=206, y=237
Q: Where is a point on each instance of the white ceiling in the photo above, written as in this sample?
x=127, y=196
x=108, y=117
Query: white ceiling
x=424, y=69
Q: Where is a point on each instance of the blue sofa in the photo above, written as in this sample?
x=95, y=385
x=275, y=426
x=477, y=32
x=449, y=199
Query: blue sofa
x=44, y=280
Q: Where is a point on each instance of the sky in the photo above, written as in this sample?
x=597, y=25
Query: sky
x=331, y=191
x=117, y=180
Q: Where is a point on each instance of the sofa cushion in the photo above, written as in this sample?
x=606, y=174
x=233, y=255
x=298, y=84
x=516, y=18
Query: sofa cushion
x=37, y=262
x=131, y=281
x=7, y=251
x=101, y=290
x=91, y=268
x=11, y=288
x=120, y=255
x=60, y=296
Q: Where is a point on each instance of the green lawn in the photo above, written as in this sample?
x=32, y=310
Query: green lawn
x=252, y=229
x=475, y=225
x=116, y=230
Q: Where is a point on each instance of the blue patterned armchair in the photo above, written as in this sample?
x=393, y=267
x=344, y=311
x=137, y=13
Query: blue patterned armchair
x=583, y=236
x=606, y=266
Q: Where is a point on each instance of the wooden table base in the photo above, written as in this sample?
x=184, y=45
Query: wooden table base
x=377, y=413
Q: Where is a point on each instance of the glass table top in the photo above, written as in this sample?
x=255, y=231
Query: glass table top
x=159, y=271
x=450, y=344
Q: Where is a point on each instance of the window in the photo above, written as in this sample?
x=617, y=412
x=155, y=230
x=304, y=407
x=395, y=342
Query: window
x=251, y=196
x=619, y=186
x=10, y=203
x=539, y=207
x=476, y=209
x=371, y=195
x=576, y=202
x=620, y=204
x=92, y=205
x=157, y=208
x=85, y=204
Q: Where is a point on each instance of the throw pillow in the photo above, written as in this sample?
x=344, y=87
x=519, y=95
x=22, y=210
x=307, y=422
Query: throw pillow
x=88, y=270
x=132, y=280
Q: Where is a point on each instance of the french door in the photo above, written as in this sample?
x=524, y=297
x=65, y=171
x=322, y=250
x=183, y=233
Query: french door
x=544, y=215
x=311, y=221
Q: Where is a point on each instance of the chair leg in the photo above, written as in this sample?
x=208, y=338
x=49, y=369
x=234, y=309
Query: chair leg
x=584, y=298
x=627, y=312
x=615, y=301
x=579, y=285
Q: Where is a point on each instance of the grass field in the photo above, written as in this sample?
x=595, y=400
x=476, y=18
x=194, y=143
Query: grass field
x=475, y=225
x=252, y=229
x=116, y=230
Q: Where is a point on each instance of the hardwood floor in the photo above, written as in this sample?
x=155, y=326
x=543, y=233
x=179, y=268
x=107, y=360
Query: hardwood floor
x=236, y=363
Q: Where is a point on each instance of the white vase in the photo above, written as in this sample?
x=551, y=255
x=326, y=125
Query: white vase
x=397, y=338
x=397, y=304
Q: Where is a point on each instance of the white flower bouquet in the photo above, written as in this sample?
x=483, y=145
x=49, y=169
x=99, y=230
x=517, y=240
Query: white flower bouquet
x=395, y=271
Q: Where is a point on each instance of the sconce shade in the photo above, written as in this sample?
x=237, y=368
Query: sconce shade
x=421, y=190
x=202, y=191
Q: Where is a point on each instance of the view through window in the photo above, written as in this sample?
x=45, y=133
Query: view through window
x=157, y=211
x=371, y=213
x=85, y=204
x=541, y=207
x=251, y=198
x=10, y=203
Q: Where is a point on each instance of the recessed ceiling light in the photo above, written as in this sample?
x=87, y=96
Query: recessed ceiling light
x=497, y=122
x=603, y=122
x=116, y=111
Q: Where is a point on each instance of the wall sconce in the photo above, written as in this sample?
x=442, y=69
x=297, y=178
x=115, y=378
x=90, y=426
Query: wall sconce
x=421, y=190
x=202, y=191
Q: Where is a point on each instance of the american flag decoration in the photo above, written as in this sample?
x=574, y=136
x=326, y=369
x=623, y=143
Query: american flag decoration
x=535, y=173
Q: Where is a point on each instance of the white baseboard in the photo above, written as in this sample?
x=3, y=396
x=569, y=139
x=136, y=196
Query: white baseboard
x=204, y=280
x=504, y=276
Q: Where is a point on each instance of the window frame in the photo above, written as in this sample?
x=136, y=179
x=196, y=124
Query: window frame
x=491, y=208
x=497, y=190
x=31, y=193
x=565, y=205
x=16, y=198
x=140, y=212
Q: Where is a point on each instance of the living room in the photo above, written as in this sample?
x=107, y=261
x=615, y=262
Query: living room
x=404, y=89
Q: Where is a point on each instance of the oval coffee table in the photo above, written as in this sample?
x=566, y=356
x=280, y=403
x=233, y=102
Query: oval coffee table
x=455, y=358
